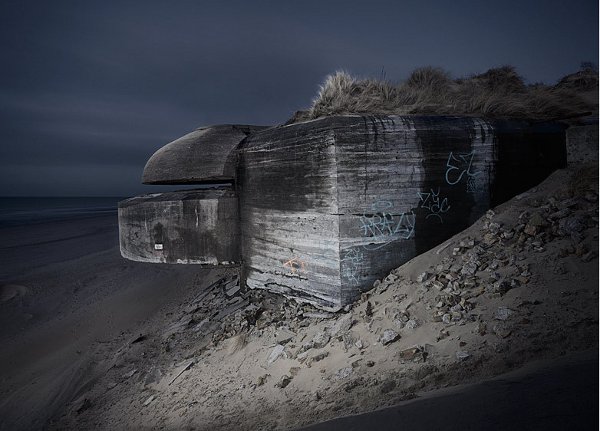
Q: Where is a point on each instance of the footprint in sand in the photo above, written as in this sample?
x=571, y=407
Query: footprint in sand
x=11, y=291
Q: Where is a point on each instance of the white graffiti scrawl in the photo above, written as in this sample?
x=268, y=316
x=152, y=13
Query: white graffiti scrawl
x=352, y=262
x=384, y=227
x=457, y=166
x=432, y=202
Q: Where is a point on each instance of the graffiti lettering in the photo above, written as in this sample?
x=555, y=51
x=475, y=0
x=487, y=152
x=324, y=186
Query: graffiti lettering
x=457, y=166
x=431, y=201
x=384, y=226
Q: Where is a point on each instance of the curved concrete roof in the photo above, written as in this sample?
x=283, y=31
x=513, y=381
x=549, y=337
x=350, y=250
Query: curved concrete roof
x=204, y=155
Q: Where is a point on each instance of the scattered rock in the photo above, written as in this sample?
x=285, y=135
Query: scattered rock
x=149, y=400
x=342, y=325
x=283, y=382
x=424, y=276
x=320, y=340
x=129, y=374
x=411, y=324
x=262, y=379
x=276, y=353
x=389, y=336
x=502, y=330
x=343, y=373
x=415, y=354
x=502, y=313
x=284, y=336
x=462, y=355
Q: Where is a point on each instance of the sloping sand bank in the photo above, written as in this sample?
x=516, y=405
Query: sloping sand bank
x=520, y=285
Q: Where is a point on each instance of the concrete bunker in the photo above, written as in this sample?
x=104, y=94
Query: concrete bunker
x=198, y=226
x=321, y=209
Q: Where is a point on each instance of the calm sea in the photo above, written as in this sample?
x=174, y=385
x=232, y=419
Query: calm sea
x=16, y=211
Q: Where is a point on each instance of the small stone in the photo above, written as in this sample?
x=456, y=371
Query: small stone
x=277, y=352
x=369, y=364
x=530, y=230
x=424, y=276
x=343, y=373
x=320, y=340
x=410, y=354
x=494, y=227
x=342, y=325
x=462, y=355
x=442, y=335
x=501, y=330
x=411, y=324
x=320, y=356
x=469, y=268
x=389, y=336
x=283, y=382
x=490, y=238
x=447, y=318
x=284, y=336
x=537, y=220
x=149, y=400
x=262, y=379
x=481, y=328
x=129, y=374
x=490, y=214
x=502, y=313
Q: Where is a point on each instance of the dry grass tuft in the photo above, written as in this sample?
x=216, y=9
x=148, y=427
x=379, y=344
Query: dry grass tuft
x=497, y=93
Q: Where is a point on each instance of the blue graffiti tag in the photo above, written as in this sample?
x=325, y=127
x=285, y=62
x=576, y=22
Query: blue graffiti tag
x=462, y=164
x=385, y=227
x=431, y=201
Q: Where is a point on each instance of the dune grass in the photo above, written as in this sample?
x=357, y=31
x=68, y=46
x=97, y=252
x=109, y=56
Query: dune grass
x=497, y=93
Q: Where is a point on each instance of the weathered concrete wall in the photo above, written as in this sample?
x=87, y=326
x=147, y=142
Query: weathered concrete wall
x=582, y=144
x=346, y=199
x=193, y=226
x=204, y=155
x=288, y=206
x=406, y=184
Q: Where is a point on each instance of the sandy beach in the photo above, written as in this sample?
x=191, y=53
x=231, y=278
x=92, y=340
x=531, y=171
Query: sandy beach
x=66, y=291
x=93, y=341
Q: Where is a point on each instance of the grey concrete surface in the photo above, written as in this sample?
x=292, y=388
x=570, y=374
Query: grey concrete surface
x=204, y=155
x=329, y=206
x=191, y=226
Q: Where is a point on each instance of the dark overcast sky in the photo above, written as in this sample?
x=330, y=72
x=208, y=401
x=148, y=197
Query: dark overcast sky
x=89, y=90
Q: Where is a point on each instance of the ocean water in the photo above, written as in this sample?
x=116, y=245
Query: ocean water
x=17, y=211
